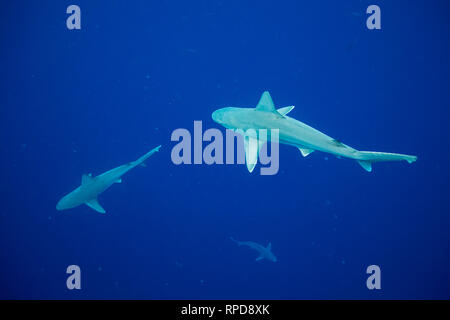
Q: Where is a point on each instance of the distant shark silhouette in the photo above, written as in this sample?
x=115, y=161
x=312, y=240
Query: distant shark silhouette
x=91, y=186
x=291, y=132
x=264, y=252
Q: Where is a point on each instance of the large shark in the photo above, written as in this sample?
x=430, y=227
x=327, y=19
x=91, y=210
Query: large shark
x=264, y=252
x=91, y=186
x=291, y=132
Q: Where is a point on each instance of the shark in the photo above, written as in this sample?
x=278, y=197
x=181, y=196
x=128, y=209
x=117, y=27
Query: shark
x=264, y=252
x=87, y=193
x=291, y=132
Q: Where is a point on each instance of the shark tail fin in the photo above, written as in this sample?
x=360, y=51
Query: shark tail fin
x=141, y=160
x=234, y=240
x=365, y=158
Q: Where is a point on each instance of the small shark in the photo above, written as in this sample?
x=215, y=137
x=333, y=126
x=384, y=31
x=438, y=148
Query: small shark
x=91, y=186
x=264, y=252
x=291, y=132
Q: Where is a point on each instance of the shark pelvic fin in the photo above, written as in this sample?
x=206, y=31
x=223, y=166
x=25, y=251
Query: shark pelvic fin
x=259, y=258
x=367, y=165
x=305, y=151
x=86, y=178
x=284, y=111
x=118, y=180
x=93, y=204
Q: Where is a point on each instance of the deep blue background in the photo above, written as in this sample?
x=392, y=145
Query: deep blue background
x=75, y=102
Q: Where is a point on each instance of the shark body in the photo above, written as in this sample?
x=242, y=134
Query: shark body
x=291, y=132
x=264, y=252
x=91, y=187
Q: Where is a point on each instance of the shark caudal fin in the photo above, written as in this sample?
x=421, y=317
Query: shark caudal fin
x=238, y=242
x=141, y=160
x=365, y=158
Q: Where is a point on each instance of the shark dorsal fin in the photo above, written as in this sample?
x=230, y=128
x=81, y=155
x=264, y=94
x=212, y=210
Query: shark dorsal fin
x=265, y=103
x=284, y=111
x=86, y=178
x=269, y=246
x=93, y=204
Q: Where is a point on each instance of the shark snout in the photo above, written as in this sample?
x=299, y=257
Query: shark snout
x=59, y=206
x=216, y=116
x=62, y=204
x=222, y=116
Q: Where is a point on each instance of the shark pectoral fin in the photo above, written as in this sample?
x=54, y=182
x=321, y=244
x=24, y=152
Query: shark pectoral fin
x=367, y=165
x=251, y=152
x=86, y=178
x=284, y=111
x=305, y=151
x=259, y=258
x=93, y=204
x=143, y=165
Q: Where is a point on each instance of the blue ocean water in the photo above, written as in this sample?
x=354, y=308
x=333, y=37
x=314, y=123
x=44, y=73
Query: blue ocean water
x=86, y=101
